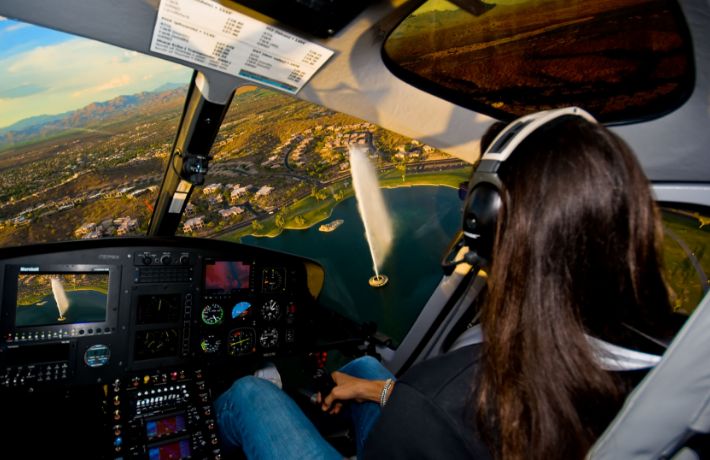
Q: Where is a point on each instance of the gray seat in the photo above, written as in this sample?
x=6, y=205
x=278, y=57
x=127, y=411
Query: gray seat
x=668, y=414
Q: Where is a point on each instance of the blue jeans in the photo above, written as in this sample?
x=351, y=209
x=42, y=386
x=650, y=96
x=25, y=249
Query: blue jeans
x=265, y=423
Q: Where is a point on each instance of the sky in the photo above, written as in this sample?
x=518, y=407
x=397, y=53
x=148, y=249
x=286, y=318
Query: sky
x=45, y=72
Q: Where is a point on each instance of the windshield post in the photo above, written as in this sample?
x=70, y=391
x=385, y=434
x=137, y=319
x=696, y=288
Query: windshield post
x=188, y=161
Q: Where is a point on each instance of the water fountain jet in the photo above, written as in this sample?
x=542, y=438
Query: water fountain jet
x=60, y=297
x=372, y=209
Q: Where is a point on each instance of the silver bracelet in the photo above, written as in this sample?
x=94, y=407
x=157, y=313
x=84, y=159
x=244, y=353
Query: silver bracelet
x=385, y=389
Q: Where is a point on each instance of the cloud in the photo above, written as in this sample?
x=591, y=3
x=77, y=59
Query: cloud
x=114, y=83
x=16, y=27
x=21, y=91
x=69, y=75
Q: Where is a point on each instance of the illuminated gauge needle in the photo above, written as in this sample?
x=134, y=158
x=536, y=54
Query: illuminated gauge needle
x=241, y=341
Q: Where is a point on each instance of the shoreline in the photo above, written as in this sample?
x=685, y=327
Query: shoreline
x=309, y=224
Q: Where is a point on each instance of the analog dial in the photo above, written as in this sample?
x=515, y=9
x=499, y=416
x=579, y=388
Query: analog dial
x=241, y=310
x=156, y=343
x=212, y=314
x=269, y=338
x=273, y=280
x=210, y=344
x=242, y=341
x=271, y=310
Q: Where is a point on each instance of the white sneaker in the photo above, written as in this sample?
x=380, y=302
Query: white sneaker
x=270, y=373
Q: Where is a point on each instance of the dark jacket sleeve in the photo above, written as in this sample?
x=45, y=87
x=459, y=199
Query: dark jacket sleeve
x=429, y=415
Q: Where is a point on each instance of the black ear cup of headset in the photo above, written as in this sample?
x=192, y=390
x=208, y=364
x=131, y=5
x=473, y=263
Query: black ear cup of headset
x=480, y=217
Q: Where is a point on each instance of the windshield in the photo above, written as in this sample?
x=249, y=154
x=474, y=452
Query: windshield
x=686, y=253
x=282, y=178
x=84, y=131
x=86, y=128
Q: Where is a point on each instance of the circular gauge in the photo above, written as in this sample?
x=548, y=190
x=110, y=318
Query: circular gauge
x=210, y=344
x=241, y=310
x=269, y=338
x=272, y=280
x=270, y=310
x=212, y=314
x=97, y=355
x=242, y=341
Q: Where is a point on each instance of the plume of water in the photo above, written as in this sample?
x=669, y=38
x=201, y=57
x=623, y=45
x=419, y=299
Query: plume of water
x=371, y=206
x=60, y=297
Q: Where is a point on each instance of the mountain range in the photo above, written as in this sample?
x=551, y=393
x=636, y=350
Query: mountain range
x=120, y=108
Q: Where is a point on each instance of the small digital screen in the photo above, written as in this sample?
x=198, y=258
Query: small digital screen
x=45, y=299
x=159, y=308
x=172, y=451
x=165, y=426
x=227, y=276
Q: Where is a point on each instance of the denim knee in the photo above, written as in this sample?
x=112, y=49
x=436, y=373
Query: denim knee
x=241, y=392
x=366, y=367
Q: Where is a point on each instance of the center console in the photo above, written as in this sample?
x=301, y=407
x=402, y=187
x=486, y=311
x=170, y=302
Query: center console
x=165, y=413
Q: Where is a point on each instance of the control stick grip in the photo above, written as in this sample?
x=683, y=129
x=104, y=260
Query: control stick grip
x=323, y=383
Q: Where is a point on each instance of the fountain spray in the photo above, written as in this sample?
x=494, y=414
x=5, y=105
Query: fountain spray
x=372, y=209
x=60, y=297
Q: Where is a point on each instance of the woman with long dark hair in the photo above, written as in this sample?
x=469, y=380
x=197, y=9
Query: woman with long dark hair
x=576, y=255
x=574, y=291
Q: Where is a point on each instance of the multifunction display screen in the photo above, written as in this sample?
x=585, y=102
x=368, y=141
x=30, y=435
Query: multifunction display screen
x=48, y=299
x=166, y=426
x=171, y=451
x=227, y=276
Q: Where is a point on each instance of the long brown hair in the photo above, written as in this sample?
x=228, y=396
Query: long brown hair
x=576, y=252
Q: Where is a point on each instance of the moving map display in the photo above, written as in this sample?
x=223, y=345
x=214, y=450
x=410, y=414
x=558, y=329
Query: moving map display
x=61, y=298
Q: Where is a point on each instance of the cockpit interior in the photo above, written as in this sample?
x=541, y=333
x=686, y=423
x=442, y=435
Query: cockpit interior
x=181, y=200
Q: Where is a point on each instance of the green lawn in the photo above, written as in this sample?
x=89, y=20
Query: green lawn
x=681, y=275
x=313, y=211
x=451, y=178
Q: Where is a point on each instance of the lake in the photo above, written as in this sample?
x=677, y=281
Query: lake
x=425, y=219
x=85, y=306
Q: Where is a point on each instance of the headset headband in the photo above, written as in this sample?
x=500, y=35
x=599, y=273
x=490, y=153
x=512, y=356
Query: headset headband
x=508, y=140
x=484, y=197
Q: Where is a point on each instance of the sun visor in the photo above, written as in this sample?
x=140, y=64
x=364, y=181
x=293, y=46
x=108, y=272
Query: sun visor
x=207, y=34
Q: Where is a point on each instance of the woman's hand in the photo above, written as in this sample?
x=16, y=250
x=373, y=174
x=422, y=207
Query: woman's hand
x=349, y=388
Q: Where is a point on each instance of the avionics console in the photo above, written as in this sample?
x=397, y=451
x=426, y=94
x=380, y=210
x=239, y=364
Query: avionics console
x=120, y=344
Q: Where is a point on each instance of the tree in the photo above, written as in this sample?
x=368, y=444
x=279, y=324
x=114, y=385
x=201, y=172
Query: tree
x=256, y=225
x=280, y=220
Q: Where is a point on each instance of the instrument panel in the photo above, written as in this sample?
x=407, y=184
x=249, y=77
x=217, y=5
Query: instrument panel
x=115, y=348
x=91, y=311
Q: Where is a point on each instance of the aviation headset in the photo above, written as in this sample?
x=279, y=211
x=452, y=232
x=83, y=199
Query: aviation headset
x=483, y=200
